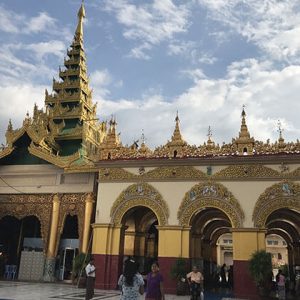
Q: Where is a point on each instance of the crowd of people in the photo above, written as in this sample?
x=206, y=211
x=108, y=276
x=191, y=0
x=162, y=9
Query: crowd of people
x=132, y=283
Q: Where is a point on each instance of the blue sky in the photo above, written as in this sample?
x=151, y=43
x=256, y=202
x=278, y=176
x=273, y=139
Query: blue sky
x=149, y=58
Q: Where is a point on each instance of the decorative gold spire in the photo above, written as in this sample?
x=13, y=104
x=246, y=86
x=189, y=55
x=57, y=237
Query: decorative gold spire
x=244, y=142
x=210, y=143
x=176, y=137
x=72, y=115
x=281, y=143
x=79, y=29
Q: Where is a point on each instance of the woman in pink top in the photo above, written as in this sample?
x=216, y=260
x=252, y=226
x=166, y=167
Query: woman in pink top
x=195, y=280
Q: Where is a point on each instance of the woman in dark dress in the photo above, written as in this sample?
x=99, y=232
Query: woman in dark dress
x=155, y=289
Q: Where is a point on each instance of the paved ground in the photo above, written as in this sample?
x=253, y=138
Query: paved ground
x=15, y=290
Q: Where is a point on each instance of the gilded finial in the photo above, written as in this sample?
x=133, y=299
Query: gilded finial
x=243, y=111
x=209, y=134
x=143, y=137
x=280, y=130
x=9, y=127
x=81, y=16
x=177, y=117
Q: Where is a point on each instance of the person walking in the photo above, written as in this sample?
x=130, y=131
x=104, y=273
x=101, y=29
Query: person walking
x=195, y=280
x=131, y=282
x=155, y=289
x=223, y=276
x=90, y=271
x=280, y=279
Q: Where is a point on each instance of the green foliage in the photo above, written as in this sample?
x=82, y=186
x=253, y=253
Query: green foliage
x=260, y=266
x=179, y=269
x=79, y=263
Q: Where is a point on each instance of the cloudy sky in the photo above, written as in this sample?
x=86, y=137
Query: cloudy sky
x=149, y=58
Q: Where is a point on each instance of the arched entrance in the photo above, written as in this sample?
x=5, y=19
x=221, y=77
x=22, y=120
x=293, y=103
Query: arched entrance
x=211, y=210
x=137, y=211
x=278, y=211
x=207, y=226
x=18, y=237
x=140, y=236
x=68, y=248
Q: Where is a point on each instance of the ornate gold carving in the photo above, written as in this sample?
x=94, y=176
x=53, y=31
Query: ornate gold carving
x=246, y=171
x=141, y=194
x=285, y=194
x=38, y=205
x=210, y=194
x=60, y=161
x=6, y=151
x=169, y=173
x=293, y=174
x=73, y=205
x=108, y=174
x=161, y=173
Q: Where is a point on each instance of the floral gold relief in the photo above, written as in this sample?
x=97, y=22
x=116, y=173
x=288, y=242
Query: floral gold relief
x=141, y=194
x=210, y=194
x=285, y=194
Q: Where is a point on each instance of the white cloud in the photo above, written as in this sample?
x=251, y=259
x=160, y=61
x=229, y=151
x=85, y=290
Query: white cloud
x=14, y=23
x=43, y=22
x=218, y=103
x=8, y=20
x=15, y=101
x=149, y=24
x=42, y=49
x=273, y=25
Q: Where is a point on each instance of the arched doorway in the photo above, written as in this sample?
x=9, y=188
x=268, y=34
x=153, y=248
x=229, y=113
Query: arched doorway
x=278, y=211
x=19, y=239
x=207, y=226
x=283, y=239
x=211, y=210
x=140, y=236
x=68, y=248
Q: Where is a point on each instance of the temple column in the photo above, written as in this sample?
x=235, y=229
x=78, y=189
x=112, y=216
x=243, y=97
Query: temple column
x=49, y=270
x=89, y=202
x=108, y=248
x=245, y=242
x=173, y=243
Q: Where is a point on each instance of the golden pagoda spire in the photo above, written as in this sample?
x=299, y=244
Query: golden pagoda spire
x=79, y=29
x=281, y=143
x=72, y=114
x=210, y=142
x=244, y=142
x=176, y=137
x=244, y=133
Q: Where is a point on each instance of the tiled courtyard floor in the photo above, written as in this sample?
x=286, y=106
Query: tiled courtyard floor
x=15, y=290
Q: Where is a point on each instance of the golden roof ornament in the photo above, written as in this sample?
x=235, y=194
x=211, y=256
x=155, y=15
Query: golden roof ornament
x=244, y=143
x=79, y=29
x=281, y=143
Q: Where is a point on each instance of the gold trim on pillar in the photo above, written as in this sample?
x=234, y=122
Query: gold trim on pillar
x=280, y=195
x=89, y=203
x=51, y=252
x=73, y=205
x=210, y=194
x=140, y=194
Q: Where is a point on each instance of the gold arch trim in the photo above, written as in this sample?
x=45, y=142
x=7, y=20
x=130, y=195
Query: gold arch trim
x=285, y=194
x=21, y=206
x=210, y=194
x=247, y=172
x=160, y=173
x=142, y=194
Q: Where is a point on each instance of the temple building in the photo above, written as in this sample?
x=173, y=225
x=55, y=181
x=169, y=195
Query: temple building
x=69, y=185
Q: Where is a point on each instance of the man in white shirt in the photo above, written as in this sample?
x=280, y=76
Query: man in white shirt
x=90, y=279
